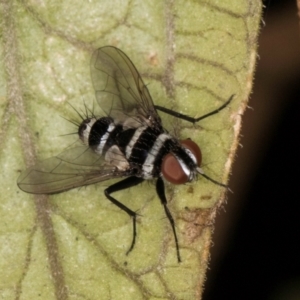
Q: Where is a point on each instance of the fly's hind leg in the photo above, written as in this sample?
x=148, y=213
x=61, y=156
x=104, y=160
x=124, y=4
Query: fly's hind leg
x=122, y=185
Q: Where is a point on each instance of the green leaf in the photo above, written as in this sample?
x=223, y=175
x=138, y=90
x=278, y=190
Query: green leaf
x=193, y=56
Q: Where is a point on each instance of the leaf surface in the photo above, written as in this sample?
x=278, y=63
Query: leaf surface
x=193, y=56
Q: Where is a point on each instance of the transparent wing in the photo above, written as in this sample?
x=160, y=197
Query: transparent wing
x=74, y=167
x=119, y=87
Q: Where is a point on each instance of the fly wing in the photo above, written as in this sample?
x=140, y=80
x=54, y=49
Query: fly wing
x=74, y=167
x=119, y=87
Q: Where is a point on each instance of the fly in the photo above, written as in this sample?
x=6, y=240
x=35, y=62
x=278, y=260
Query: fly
x=129, y=142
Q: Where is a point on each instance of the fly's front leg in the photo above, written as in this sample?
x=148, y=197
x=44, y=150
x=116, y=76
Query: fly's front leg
x=191, y=119
x=122, y=185
x=160, y=189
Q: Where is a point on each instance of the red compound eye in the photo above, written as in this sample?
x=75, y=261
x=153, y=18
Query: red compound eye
x=194, y=148
x=171, y=168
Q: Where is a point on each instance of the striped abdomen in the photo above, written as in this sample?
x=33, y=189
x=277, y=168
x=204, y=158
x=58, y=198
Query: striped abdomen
x=139, y=150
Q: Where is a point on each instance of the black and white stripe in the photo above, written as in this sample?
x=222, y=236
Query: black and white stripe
x=142, y=147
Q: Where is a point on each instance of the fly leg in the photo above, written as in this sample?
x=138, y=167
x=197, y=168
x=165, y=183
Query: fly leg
x=191, y=119
x=160, y=189
x=122, y=185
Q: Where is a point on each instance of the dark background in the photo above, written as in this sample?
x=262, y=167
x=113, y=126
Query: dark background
x=256, y=251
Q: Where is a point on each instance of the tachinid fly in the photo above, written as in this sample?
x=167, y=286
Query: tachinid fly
x=129, y=142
